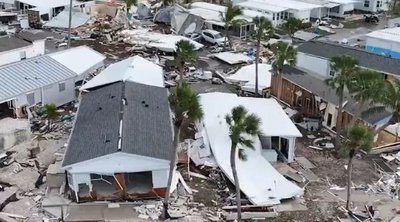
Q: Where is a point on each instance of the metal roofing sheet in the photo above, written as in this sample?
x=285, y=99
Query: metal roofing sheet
x=27, y=75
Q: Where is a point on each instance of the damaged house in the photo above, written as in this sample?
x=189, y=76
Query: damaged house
x=45, y=79
x=259, y=180
x=121, y=144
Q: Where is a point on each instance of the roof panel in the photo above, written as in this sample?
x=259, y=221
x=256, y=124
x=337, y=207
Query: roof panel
x=11, y=42
x=366, y=59
x=27, y=75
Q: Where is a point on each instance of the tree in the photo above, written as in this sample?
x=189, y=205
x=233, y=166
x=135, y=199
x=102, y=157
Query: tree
x=391, y=100
x=129, y=4
x=284, y=53
x=264, y=30
x=185, y=53
x=358, y=137
x=51, y=112
x=242, y=128
x=186, y=105
x=345, y=68
x=231, y=13
x=367, y=87
x=293, y=24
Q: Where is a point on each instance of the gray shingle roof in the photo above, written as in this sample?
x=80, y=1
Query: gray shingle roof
x=37, y=34
x=11, y=42
x=319, y=88
x=365, y=59
x=27, y=75
x=146, y=123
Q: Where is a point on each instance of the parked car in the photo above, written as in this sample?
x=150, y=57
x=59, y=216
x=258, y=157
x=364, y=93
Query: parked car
x=371, y=18
x=213, y=37
x=194, y=36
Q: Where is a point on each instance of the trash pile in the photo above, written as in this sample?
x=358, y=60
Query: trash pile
x=387, y=184
x=152, y=210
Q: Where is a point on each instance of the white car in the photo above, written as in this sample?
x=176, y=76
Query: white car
x=213, y=37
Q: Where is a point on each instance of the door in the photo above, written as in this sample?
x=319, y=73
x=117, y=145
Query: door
x=329, y=121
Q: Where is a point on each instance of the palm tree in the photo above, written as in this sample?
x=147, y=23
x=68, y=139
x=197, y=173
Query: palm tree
x=367, y=86
x=284, y=53
x=345, y=68
x=231, y=13
x=129, y=3
x=264, y=30
x=185, y=53
x=185, y=104
x=242, y=127
x=358, y=137
x=391, y=100
x=51, y=112
x=293, y=24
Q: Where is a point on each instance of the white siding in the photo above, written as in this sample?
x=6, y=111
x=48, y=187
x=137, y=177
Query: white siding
x=51, y=94
x=330, y=109
x=21, y=100
x=372, y=6
x=15, y=54
x=303, y=15
x=160, y=178
x=383, y=43
x=314, y=64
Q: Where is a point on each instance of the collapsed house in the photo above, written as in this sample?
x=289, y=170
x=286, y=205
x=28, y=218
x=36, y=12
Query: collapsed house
x=121, y=143
x=45, y=79
x=246, y=78
x=259, y=181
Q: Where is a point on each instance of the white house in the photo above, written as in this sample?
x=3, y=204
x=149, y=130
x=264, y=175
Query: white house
x=314, y=56
x=45, y=79
x=372, y=5
x=278, y=11
x=13, y=49
x=211, y=13
x=121, y=143
x=384, y=42
x=258, y=179
x=335, y=8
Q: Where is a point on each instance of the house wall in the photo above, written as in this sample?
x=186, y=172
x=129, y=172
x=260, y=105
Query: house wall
x=49, y=94
x=383, y=46
x=330, y=110
x=160, y=178
x=37, y=48
x=52, y=93
x=373, y=5
x=314, y=64
x=303, y=15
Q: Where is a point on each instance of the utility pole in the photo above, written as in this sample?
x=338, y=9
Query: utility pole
x=69, y=24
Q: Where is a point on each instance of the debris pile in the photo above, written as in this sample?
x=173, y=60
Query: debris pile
x=152, y=210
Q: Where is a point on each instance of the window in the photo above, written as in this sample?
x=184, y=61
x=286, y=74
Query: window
x=286, y=15
x=332, y=72
x=61, y=86
x=379, y=4
x=277, y=16
x=22, y=55
x=30, y=98
x=329, y=122
x=282, y=14
x=273, y=16
x=366, y=3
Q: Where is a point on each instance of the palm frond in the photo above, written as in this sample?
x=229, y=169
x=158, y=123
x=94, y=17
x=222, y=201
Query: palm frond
x=238, y=113
x=359, y=137
x=246, y=142
x=242, y=154
x=283, y=53
x=184, y=100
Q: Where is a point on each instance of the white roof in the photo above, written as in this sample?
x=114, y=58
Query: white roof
x=233, y=58
x=61, y=20
x=134, y=69
x=247, y=74
x=47, y=4
x=163, y=42
x=212, y=13
x=79, y=59
x=278, y=6
x=344, y=1
x=390, y=34
x=259, y=181
x=262, y=6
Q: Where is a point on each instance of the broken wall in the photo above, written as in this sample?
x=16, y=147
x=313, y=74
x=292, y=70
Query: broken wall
x=13, y=132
